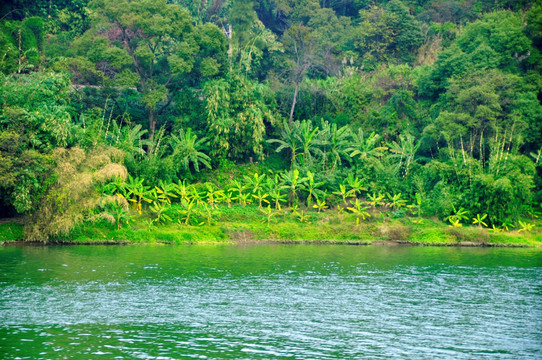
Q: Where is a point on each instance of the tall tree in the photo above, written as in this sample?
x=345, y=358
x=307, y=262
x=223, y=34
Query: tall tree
x=152, y=45
x=301, y=49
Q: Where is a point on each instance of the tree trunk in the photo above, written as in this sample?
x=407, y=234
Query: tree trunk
x=152, y=125
x=294, y=101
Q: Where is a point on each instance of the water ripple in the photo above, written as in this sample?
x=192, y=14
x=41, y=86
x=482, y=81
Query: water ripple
x=270, y=302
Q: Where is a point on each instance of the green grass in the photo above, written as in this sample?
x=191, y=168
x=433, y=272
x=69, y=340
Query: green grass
x=139, y=233
x=11, y=231
x=249, y=224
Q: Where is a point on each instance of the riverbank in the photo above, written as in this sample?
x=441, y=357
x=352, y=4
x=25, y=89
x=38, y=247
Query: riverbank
x=249, y=225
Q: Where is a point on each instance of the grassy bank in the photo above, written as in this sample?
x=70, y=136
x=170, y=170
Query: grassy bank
x=248, y=224
x=11, y=231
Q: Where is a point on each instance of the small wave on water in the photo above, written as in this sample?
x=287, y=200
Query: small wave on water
x=271, y=301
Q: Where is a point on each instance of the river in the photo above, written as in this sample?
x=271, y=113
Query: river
x=270, y=301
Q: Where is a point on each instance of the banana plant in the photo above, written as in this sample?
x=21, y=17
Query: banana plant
x=342, y=192
x=366, y=149
x=338, y=141
x=182, y=190
x=320, y=205
x=290, y=140
x=149, y=223
x=207, y=212
x=395, y=201
x=312, y=188
x=116, y=187
x=355, y=185
x=213, y=195
x=237, y=188
x=120, y=213
x=458, y=215
x=525, y=226
x=244, y=199
x=186, y=212
x=495, y=228
x=415, y=208
x=160, y=209
x=261, y=198
x=507, y=225
x=306, y=135
x=359, y=210
x=293, y=184
x=419, y=201
x=187, y=150
x=255, y=182
x=533, y=210
x=301, y=216
x=405, y=151
x=269, y=213
x=227, y=198
x=479, y=220
x=277, y=196
x=454, y=222
x=194, y=195
x=274, y=187
x=164, y=192
x=138, y=192
x=375, y=200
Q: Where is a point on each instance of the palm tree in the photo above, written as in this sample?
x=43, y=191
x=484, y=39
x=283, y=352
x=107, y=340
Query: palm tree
x=187, y=149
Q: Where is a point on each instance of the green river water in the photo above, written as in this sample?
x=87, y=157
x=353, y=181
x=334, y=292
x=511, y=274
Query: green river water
x=269, y=302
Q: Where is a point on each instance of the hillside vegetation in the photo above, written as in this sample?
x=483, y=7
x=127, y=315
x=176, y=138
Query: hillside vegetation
x=313, y=119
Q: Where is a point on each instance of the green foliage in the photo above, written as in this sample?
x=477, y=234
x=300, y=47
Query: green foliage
x=20, y=44
x=238, y=111
x=35, y=118
x=37, y=106
x=152, y=44
x=387, y=32
x=24, y=173
x=73, y=196
x=186, y=150
x=434, y=104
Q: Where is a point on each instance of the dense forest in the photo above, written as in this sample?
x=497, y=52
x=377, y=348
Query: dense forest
x=119, y=108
